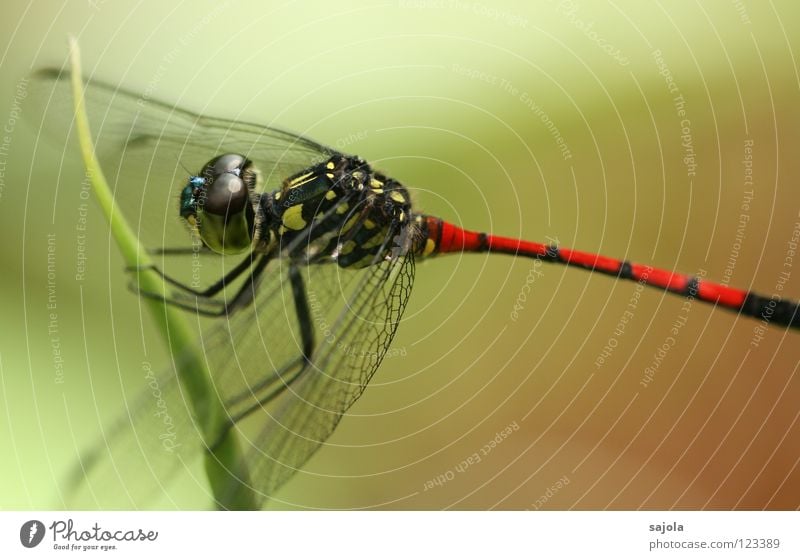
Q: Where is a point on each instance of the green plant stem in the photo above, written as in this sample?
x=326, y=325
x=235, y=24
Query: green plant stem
x=224, y=464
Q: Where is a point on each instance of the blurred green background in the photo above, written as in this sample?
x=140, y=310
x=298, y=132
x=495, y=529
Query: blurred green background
x=533, y=119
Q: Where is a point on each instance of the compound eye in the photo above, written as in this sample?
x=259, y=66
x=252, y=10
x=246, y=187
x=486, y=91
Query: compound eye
x=217, y=206
x=227, y=195
x=228, y=163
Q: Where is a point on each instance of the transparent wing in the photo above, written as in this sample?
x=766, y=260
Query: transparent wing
x=148, y=148
x=285, y=404
x=286, y=371
x=355, y=330
x=132, y=463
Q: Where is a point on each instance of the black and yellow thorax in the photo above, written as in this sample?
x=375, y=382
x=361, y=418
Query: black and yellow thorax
x=339, y=209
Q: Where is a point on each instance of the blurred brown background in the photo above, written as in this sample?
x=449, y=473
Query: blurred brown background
x=537, y=119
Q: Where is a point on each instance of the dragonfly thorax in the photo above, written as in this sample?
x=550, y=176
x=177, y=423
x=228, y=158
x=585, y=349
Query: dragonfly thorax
x=338, y=210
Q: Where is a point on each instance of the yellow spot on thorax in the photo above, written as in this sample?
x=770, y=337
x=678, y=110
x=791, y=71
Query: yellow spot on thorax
x=376, y=240
x=347, y=247
x=350, y=223
x=293, y=217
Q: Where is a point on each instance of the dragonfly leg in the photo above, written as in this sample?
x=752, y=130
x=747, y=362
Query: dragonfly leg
x=303, y=313
x=243, y=296
x=178, y=251
x=215, y=309
x=209, y=292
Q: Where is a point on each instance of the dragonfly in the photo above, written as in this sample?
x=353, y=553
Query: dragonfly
x=298, y=261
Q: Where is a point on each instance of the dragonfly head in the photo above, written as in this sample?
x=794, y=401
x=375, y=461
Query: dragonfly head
x=217, y=203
